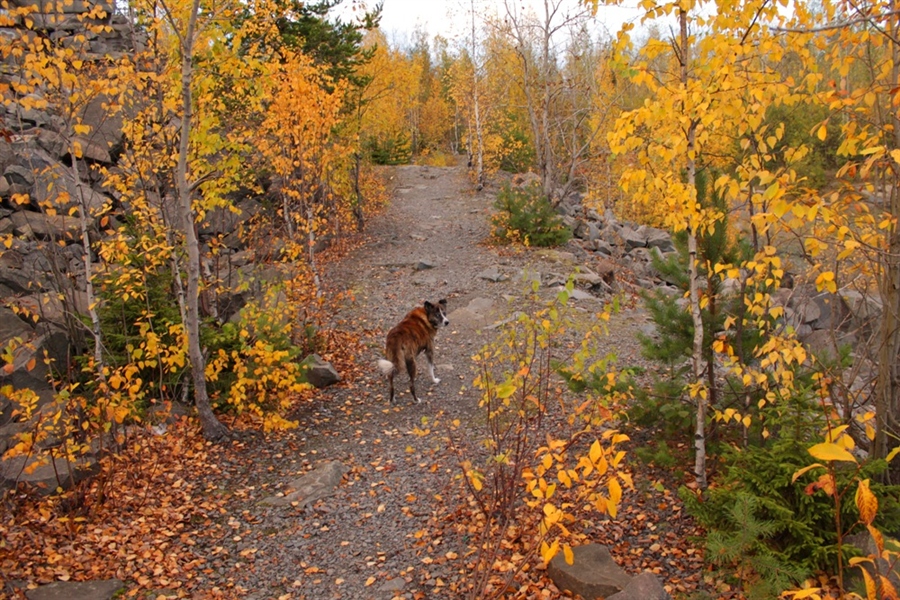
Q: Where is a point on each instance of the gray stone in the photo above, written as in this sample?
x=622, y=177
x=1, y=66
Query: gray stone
x=807, y=311
x=493, y=274
x=106, y=127
x=825, y=343
x=833, y=311
x=863, y=540
x=226, y=220
x=632, y=239
x=476, y=313
x=658, y=238
x=581, y=229
x=320, y=373
x=53, y=227
x=602, y=247
x=18, y=174
x=44, y=473
x=397, y=584
x=12, y=326
x=424, y=265
x=311, y=487
x=643, y=587
x=63, y=6
x=593, y=573
x=104, y=589
x=52, y=185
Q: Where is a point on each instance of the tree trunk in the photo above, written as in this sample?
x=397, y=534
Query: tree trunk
x=479, y=156
x=99, y=366
x=213, y=429
x=887, y=385
x=696, y=318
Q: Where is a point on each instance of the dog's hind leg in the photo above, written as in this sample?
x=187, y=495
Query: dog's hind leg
x=391, y=383
x=429, y=354
x=411, y=371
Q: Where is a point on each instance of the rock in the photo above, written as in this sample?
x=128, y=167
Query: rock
x=424, y=265
x=53, y=227
x=825, y=343
x=833, y=311
x=493, y=274
x=807, y=311
x=44, y=473
x=50, y=185
x=19, y=175
x=104, y=589
x=320, y=373
x=632, y=239
x=226, y=220
x=643, y=587
x=521, y=180
x=593, y=574
x=863, y=541
x=602, y=247
x=659, y=238
x=476, y=313
x=397, y=584
x=311, y=487
x=581, y=229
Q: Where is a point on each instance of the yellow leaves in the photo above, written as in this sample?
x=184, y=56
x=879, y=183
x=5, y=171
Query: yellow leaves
x=830, y=451
x=825, y=281
x=866, y=502
x=548, y=551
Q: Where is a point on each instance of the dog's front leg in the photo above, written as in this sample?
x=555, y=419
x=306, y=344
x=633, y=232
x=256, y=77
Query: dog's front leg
x=429, y=354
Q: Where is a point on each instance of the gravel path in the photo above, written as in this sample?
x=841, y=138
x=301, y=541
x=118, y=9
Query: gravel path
x=368, y=540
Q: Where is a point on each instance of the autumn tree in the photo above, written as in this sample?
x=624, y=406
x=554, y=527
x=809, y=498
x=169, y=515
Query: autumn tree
x=536, y=39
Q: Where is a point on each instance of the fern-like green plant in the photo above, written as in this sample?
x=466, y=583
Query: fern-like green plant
x=746, y=547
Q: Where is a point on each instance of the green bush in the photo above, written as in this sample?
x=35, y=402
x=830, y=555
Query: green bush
x=759, y=521
x=525, y=215
x=389, y=151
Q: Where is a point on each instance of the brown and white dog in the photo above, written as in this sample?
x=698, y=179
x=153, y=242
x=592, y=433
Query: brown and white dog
x=409, y=338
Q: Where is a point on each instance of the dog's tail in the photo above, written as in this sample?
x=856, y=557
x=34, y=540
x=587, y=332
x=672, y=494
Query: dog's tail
x=386, y=366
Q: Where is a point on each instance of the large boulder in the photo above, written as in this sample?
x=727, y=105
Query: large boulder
x=592, y=575
x=319, y=372
x=643, y=587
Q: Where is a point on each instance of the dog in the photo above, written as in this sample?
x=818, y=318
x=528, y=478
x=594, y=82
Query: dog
x=409, y=338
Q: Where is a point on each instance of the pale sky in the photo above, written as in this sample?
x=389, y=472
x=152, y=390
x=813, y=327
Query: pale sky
x=450, y=18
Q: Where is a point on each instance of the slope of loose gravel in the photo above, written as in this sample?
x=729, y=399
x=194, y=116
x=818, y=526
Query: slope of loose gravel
x=366, y=540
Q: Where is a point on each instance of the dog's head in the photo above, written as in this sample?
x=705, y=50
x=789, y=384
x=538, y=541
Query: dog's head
x=437, y=313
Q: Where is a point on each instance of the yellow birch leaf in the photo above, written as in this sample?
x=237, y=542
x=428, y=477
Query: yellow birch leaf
x=596, y=452
x=866, y=502
x=831, y=451
x=569, y=555
x=871, y=588
x=800, y=472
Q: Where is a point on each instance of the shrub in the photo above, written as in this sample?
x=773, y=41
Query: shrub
x=759, y=520
x=526, y=215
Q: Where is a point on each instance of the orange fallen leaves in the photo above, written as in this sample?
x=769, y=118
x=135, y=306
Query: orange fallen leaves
x=144, y=530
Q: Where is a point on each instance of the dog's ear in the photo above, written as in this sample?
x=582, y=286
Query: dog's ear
x=443, y=302
x=428, y=305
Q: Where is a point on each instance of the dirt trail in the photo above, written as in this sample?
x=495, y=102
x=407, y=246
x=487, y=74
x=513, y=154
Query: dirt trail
x=366, y=540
